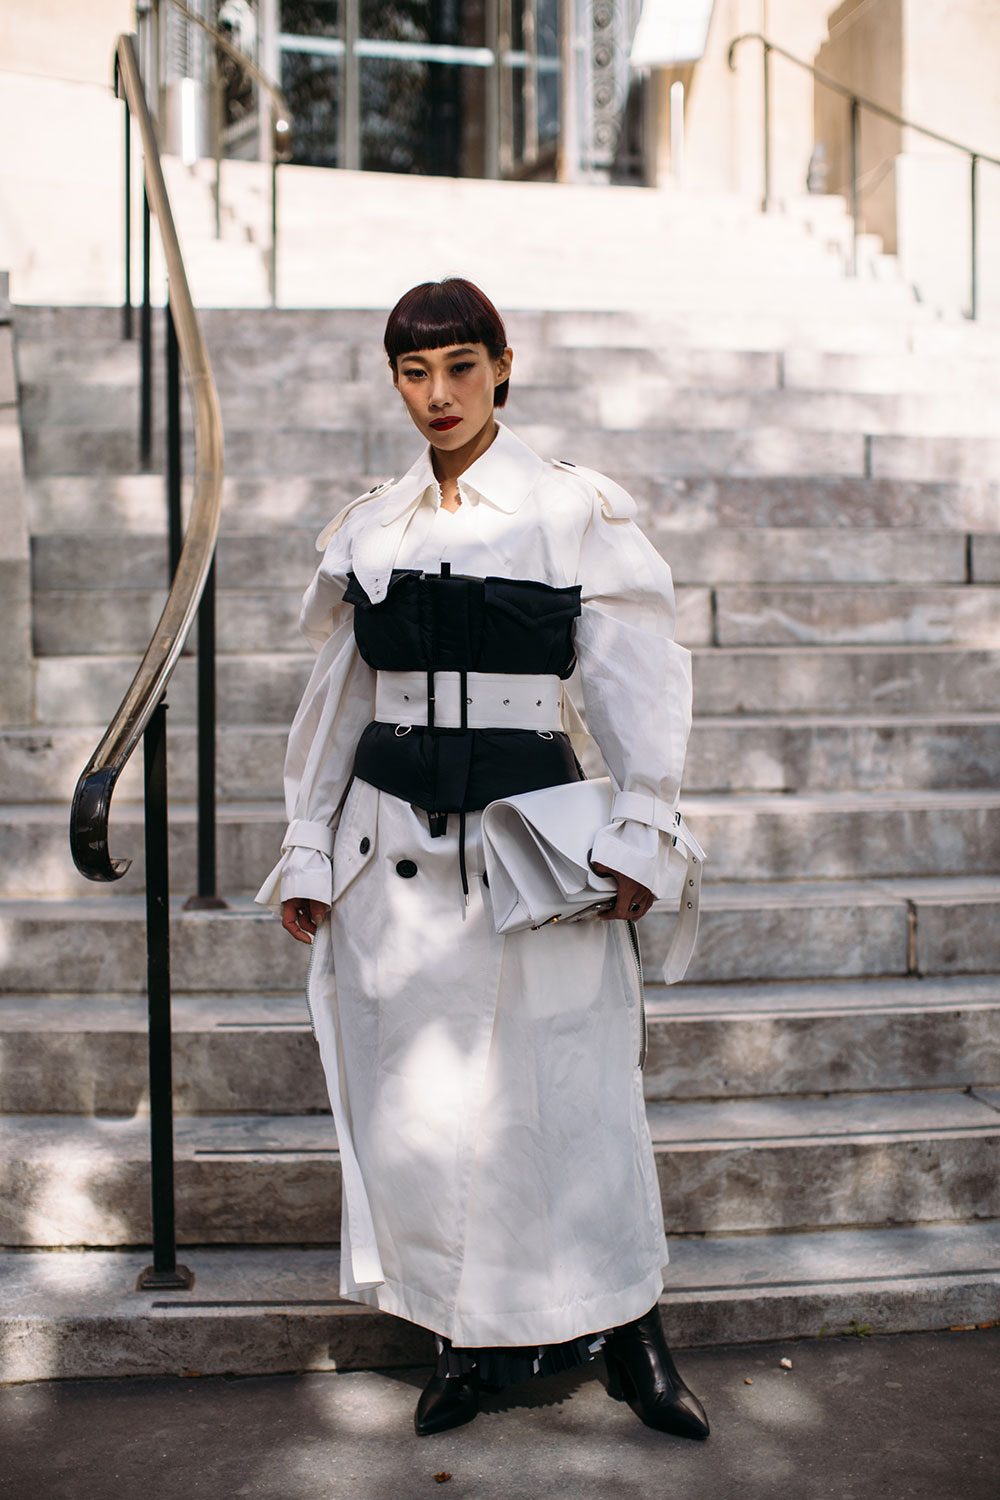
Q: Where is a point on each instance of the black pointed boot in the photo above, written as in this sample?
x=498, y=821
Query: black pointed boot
x=446, y=1401
x=642, y=1372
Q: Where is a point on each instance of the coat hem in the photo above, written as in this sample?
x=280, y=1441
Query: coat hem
x=553, y=1325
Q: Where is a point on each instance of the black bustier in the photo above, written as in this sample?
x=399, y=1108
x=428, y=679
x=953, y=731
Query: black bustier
x=447, y=622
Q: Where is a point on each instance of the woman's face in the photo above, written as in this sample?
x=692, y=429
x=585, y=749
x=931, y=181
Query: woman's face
x=449, y=392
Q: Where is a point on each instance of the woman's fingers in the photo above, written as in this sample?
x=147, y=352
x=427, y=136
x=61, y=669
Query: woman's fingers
x=633, y=900
x=300, y=917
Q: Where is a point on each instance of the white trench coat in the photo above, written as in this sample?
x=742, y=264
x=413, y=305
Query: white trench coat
x=499, y=1186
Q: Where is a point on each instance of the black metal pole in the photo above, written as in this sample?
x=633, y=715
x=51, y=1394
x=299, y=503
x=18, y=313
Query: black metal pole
x=974, y=280
x=127, y=304
x=855, y=192
x=766, y=205
x=164, y=1272
x=175, y=530
x=146, y=332
x=207, y=897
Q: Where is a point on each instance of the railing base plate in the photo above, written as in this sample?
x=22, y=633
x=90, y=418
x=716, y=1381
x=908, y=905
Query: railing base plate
x=152, y=1280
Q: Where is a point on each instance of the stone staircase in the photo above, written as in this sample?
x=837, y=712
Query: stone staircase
x=823, y=1092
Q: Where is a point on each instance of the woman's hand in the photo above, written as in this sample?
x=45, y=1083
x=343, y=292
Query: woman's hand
x=634, y=900
x=301, y=917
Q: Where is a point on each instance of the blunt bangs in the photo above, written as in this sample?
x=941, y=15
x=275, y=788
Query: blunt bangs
x=438, y=313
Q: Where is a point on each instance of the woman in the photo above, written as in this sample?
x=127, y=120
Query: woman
x=498, y=1178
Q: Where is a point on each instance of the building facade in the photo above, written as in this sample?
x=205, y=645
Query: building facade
x=507, y=89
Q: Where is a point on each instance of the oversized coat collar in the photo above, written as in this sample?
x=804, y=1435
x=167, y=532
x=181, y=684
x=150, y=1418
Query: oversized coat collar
x=503, y=477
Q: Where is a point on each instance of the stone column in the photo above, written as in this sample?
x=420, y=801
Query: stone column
x=15, y=554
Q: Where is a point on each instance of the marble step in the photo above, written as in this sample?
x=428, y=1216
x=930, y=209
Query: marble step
x=251, y=356
x=136, y=502
x=901, y=752
x=67, y=622
x=77, y=1314
x=260, y=452
x=724, y=1167
x=753, y=931
x=754, y=836
x=852, y=680
x=239, y=363
x=333, y=401
x=265, y=688
x=737, y=328
x=718, y=557
x=43, y=764
x=957, y=614
x=738, y=754
x=743, y=327
x=736, y=1040
x=986, y=558
x=87, y=1054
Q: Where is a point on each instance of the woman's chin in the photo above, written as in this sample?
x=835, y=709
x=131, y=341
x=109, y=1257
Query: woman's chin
x=453, y=438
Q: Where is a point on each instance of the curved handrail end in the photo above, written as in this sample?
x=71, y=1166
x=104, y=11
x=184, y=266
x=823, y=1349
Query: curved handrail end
x=88, y=826
x=745, y=36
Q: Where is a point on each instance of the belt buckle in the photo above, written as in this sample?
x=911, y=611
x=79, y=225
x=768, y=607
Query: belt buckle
x=463, y=704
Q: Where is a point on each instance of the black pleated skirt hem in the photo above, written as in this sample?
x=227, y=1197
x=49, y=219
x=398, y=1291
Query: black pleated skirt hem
x=499, y=1367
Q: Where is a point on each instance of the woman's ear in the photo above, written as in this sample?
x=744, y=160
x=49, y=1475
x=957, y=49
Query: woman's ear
x=394, y=372
x=502, y=366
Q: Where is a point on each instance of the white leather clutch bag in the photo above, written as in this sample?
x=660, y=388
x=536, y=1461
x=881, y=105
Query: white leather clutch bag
x=537, y=847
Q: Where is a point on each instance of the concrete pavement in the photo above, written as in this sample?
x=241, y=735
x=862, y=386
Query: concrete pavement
x=904, y=1417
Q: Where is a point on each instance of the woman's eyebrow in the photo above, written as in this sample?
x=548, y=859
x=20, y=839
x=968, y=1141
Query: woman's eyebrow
x=451, y=354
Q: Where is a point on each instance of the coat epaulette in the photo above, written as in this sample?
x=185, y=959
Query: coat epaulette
x=616, y=502
x=334, y=526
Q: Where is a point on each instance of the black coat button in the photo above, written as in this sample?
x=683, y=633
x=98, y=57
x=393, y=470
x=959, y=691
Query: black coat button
x=406, y=868
x=365, y=845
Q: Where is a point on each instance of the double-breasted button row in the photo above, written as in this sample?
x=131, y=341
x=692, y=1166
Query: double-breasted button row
x=406, y=867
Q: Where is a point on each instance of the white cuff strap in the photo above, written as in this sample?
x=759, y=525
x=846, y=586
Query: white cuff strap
x=643, y=807
x=303, y=835
x=686, y=932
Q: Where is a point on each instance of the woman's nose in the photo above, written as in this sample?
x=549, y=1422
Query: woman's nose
x=440, y=395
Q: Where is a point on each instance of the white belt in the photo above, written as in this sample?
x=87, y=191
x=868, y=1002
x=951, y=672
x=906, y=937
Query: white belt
x=469, y=700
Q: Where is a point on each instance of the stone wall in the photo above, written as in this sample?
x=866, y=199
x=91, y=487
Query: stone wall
x=934, y=62
x=951, y=56
x=724, y=110
x=864, y=50
x=15, y=569
x=60, y=171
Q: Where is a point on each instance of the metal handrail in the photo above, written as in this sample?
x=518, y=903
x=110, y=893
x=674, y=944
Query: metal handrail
x=94, y=790
x=858, y=102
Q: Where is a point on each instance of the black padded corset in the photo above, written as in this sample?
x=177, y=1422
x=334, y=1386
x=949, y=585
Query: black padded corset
x=448, y=622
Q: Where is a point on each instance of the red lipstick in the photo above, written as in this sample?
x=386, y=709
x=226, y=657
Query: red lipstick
x=444, y=424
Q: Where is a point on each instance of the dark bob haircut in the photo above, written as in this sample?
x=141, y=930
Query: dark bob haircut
x=438, y=313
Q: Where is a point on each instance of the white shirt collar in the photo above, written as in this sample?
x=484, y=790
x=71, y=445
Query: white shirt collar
x=503, y=476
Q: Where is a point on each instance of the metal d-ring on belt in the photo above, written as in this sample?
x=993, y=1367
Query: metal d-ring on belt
x=452, y=702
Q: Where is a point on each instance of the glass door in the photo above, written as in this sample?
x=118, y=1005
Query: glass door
x=453, y=88
x=310, y=44
x=530, y=45
x=426, y=87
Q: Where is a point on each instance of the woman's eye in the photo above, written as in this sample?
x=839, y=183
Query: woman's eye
x=461, y=369
x=412, y=374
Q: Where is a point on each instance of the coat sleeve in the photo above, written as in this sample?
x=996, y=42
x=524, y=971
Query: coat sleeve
x=338, y=702
x=637, y=690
